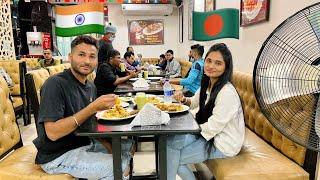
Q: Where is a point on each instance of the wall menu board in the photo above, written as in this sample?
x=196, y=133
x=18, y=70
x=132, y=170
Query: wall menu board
x=146, y=32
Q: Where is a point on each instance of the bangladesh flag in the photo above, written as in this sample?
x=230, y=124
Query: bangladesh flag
x=222, y=23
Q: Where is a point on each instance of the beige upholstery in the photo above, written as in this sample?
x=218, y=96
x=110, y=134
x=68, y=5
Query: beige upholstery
x=150, y=60
x=66, y=65
x=55, y=69
x=32, y=63
x=18, y=164
x=39, y=77
x=12, y=68
x=17, y=101
x=9, y=132
x=16, y=70
x=266, y=154
x=91, y=76
x=185, y=66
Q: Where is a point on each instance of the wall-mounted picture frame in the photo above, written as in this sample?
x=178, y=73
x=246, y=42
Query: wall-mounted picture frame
x=254, y=11
x=210, y=5
x=146, y=32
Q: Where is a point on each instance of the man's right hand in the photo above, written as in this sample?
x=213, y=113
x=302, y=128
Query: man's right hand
x=104, y=102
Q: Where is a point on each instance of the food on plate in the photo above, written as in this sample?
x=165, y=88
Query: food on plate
x=117, y=101
x=116, y=112
x=153, y=27
x=153, y=100
x=169, y=107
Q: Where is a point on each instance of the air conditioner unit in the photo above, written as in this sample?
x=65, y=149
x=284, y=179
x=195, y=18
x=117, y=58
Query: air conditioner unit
x=147, y=9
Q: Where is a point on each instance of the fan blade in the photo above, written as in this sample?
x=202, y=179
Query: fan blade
x=284, y=80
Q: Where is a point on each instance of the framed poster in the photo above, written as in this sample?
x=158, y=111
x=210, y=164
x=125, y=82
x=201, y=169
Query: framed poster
x=146, y=32
x=254, y=11
x=210, y=5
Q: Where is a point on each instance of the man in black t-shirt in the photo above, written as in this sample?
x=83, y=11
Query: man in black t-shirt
x=67, y=101
x=107, y=77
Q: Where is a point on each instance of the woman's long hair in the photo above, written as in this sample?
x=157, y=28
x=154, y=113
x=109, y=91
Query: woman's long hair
x=205, y=110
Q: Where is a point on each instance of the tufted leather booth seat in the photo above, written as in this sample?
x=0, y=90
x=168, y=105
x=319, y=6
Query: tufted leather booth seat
x=32, y=63
x=185, y=66
x=34, y=82
x=150, y=61
x=17, y=161
x=16, y=70
x=55, y=69
x=266, y=153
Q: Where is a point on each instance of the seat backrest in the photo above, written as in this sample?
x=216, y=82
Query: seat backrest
x=185, y=66
x=91, y=76
x=66, y=65
x=10, y=137
x=55, y=69
x=258, y=123
x=34, y=81
x=150, y=61
x=17, y=71
x=32, y=63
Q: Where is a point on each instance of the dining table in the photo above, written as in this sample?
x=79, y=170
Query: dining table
x=180, y=123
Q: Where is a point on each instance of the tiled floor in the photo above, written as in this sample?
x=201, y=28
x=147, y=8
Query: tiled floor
x=144, y=162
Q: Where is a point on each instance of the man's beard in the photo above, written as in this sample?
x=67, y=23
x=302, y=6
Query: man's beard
x=76, y=70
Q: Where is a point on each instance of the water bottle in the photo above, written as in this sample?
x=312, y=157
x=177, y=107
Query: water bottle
x=167, y=92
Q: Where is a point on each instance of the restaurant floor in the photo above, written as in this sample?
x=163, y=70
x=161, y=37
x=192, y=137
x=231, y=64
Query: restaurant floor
x=144, y=155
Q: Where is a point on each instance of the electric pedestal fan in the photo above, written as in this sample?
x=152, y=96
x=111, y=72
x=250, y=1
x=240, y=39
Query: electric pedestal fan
x=286, y=77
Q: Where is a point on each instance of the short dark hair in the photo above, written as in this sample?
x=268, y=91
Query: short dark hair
x=127, y=54
x=198, y=48
x=162, y=56
x=84, y=39
x=47, y=49
x=129, y=48
x=170, y=51
x=112, y=53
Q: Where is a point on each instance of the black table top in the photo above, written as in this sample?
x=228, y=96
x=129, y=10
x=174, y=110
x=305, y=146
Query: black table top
x=180, y=123
x=154, y=88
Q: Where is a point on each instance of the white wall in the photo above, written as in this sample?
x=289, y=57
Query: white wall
x=245, y=50
x=121, y=42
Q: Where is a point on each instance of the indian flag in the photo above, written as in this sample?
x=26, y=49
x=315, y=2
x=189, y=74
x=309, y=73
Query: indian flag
x=79, y=19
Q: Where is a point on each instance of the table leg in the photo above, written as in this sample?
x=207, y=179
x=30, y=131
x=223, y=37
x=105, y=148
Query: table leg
x=162, y=150
x=116, y=154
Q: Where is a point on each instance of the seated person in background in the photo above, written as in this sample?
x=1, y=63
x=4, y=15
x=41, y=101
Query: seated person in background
x=130, y=49
x=67, y=101
x=173, y=68
x=193, y=80
x=129, y=60
x=220, y=117
x=107, y=77
x=162, y=62
x=138, y=60
x=47, y=59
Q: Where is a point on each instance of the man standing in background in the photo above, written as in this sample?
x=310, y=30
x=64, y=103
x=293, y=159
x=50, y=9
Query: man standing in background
x=105, y=44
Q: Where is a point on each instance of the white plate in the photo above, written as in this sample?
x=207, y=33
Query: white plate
x=145, y=30
x=99, y=115
x=185, y=108
x=155, y=78
x=124, y=104
x=133, y=79
x=125, y=98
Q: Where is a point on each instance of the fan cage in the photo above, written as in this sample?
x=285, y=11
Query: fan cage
x=286, y=77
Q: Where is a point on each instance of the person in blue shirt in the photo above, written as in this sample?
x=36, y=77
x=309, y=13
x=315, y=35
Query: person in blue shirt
x=193, y=80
